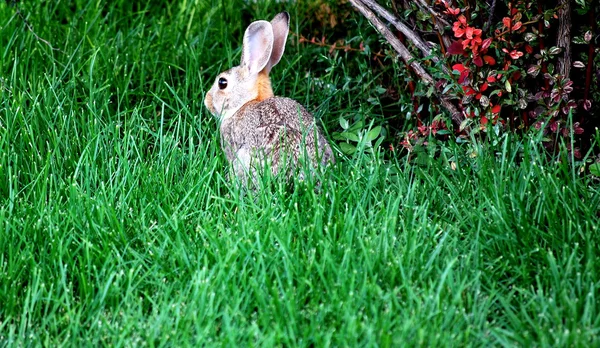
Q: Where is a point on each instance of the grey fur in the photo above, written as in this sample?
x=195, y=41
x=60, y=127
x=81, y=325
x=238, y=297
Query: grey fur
x=275, y=131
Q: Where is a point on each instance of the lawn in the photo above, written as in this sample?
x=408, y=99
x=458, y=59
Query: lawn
x=119, y=225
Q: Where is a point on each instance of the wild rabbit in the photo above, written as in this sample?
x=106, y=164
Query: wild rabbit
x=257, y=127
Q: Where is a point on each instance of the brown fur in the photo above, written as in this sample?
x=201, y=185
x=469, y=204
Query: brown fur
x=257, y=128
x=263, y=85
x=208, y=102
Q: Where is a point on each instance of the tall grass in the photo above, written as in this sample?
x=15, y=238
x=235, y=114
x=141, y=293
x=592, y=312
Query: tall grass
x=118, y=225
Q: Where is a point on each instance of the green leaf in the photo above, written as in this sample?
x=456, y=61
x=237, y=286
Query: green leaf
x=373, y=133
x=554, y=50
x=347, y=149
x=337, y=136
x=344, y=123
x=356, y=127
x=350, y=136
x=447, y=88
x=508, y=86
x=464, y=124
x=495, y=92
x=595, y=169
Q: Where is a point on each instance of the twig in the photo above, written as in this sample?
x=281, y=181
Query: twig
x=444, y=40
x=395, y=7
x=438, y=22
x=541, y=44
x=423, y=46
x=510, y=30
x=422, y=4
x=392, y=40
x=334, y=46
x=590, y=65
x=30, y=28
x=408, y=58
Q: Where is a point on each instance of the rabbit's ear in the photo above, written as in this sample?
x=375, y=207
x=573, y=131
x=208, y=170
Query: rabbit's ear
x=258, y=44
x=281, y=27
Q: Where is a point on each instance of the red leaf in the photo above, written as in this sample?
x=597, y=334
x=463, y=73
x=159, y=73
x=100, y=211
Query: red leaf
x=514, y=54
x=483, y=87
x=489, y=60
x=496, y=109
x=484, y=121
x=506, y=22
x=477, y=61
x=528, y=49
x=452, y=11
x=469, y=32
x=456, y=48
x=486, y=43
x=459, y=67
x=491, y=79
x=463, y=76
x=468, y=90
x=533, y=70
x=466, y=43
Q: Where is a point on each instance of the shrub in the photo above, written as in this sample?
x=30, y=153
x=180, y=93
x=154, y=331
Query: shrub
x=514, y=67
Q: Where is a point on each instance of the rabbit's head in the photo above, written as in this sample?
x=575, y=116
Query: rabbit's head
x=264, y=43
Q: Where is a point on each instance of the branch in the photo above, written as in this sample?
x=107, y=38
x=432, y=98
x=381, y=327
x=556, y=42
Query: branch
x=408, y=58
x=541, y=43
x=422, y=4
x=438, y=22
x=590, y=65
x=334, y=46
x=423, y=46
x=30, y=28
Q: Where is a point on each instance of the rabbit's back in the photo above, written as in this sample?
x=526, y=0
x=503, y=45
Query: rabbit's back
x=274, y=128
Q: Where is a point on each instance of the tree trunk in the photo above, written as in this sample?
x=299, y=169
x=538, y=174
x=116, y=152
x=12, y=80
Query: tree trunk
x=563, y=38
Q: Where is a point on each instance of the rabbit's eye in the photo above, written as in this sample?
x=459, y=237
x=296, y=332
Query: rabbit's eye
x=222, y=83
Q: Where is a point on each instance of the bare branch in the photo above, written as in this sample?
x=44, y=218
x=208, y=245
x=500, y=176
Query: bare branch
x=457, y=116
x=423, y=46
x=438, y=21
x=423, y=5
x=30, y=28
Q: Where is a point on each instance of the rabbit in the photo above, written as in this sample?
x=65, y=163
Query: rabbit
x=256, y=127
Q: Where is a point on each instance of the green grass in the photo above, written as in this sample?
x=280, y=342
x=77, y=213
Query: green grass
x=118, y=225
